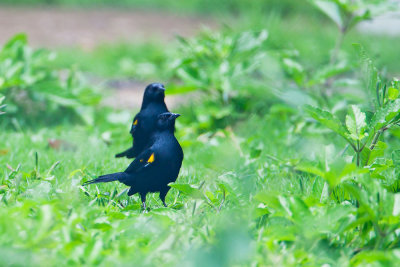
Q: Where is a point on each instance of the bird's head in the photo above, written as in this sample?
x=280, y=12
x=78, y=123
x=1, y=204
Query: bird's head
x=166, y=121
x=154, y=92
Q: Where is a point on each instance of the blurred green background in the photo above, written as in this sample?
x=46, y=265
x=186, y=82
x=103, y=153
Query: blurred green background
x=290, y=113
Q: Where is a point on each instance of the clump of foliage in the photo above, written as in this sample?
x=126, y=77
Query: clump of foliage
x=362, y=132
x=217, y=62
x=347, y=14
x=35, y=91
x=364, y=184
x=224, y=67
x=323, y=83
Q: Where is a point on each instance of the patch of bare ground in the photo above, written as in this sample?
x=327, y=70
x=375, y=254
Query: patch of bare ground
x=48, y=27
x=86, y=28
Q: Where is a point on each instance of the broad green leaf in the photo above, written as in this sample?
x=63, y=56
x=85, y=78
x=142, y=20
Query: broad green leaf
x=355, y=123
x=298, y=208
x=362, y=197
x=327, y=119
x=331, y=9
x=329, y=71
x=271, y=199
x=307, y=167
x=250, y=40
x=295, y=70
x=365, y=155
x=340, y=171
x=337, y=171
x=378, y=151
x=359, y=18
x=189, y=78
x=393, y=93
x=384, y=115
x=375, y=258
x=370, y=74
x=102, y=226
x=18, y=38
x=368, y=157
x=189, y=190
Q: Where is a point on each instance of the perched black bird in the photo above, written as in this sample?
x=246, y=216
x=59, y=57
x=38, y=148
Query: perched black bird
x=144, y=123
x=156, y=166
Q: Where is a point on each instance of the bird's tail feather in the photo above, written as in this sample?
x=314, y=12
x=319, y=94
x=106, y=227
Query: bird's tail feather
x=118, y=176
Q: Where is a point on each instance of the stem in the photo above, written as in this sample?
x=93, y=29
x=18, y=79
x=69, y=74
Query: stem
x=380, y=235
x=338, y=45
x=375, y=140
x=358, y=153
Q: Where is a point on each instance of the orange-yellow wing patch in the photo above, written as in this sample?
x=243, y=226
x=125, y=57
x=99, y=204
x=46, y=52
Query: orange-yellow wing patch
x=135, y=122
x=151, y=158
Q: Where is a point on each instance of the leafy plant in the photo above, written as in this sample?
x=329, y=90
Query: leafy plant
x=34, y=90
x=222, y=66
x=323, y=83
x=371, y=226
x=217, y=62
x=362, y=133
x=347, y=14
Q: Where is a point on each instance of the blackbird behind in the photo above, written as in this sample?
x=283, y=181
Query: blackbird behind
x=144, y=123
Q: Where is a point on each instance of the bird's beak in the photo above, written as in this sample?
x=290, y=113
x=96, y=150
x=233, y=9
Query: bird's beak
x=161, y=89
x=175, y=115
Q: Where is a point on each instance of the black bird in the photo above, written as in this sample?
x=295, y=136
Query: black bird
x=144, y=123
x=156, y=166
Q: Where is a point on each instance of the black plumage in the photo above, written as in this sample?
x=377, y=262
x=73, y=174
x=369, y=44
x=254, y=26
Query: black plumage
x=144, y=123
x=156, y=166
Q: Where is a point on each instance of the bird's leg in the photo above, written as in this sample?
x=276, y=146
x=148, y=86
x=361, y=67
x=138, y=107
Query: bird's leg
x=143, y=198
x=163, y=193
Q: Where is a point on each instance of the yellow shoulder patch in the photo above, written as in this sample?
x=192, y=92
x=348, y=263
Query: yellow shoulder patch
x=135, y=122
x=151, y=159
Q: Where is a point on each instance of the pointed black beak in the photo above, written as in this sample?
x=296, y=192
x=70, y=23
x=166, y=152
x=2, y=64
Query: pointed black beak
x=174, y=115
x=161, y=87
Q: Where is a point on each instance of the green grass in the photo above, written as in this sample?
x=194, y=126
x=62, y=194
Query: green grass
x=48, y=217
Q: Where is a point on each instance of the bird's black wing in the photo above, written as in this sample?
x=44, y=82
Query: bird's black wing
x=143, y=160
x=135, y=124
x=129, y=153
